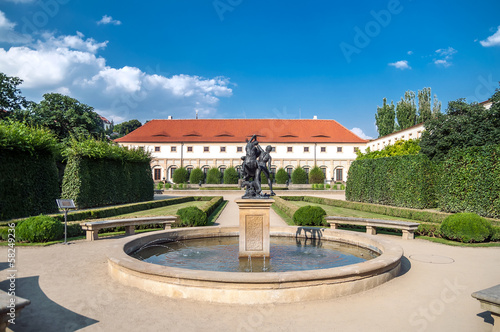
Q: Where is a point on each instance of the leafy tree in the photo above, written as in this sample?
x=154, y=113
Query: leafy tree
x=231, y=176
x=436, y=108
x=385, y=119
x=196, y=176
x=463, y=125
x=316, y=175
x=67, y=117
x=299, y=176
x=127, y=127
x=406, y=111
x=281, y=176
x=399, y=148
x=213, y=176
x=424, y=105
x=181, y=175
x=10, y=96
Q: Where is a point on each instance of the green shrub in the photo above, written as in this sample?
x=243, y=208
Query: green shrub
x=281, y=176
x=213, y=176
x=181, y=175
x=299, y=176
x=39, y=229
x=75, y=230
x=196, y=176
x=496, y=234
x=309, y=216
x=192, y=216
x=327, y=186
x=231, y=176
x=466, y=227
x=160, y=185
x=316, y=175
x=168, y=185
x=428, y=229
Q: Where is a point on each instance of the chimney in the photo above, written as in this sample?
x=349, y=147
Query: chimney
x=315, y=117
x=169, y=117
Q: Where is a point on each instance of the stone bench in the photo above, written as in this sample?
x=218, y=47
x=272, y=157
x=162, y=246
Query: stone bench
x=10, y=307
x=408, y=228
x=490, y=300
x=92, y=228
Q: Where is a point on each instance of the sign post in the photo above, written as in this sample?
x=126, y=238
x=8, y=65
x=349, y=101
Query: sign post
x=65, y=204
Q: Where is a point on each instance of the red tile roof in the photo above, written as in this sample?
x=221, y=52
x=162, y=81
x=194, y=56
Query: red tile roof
x=237, y=130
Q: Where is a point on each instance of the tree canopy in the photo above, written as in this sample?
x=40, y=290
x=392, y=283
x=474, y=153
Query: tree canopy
x=10, y=96
x=399, y=148
x=127, y=127
x=406, y=111
x=384, y=119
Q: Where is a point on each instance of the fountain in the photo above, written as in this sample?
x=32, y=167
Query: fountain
x=202, y=263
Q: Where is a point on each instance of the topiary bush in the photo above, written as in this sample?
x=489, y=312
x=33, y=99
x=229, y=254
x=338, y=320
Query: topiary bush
x=281, y=176
x=196, y=176
x=192, y=216
x=231, y=176
x=181, y=175
x=299, y=176
x=39, y=229
x=316, y=175
x=466, y=227
x=213, y=176
x=309, y=216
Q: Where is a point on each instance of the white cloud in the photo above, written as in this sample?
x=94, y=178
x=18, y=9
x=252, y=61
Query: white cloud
x=71, y=65
x=442, y=62
x=446, y=52
x=8, y=34
x=446, y=55
x=360, y=133
x=410, y=52
x=402, y=64
x=109, y=20
x=493, y=40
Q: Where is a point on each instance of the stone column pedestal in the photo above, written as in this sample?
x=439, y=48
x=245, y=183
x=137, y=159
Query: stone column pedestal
x=254, y=227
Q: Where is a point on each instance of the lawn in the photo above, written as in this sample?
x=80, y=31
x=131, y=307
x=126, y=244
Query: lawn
x=169, y=210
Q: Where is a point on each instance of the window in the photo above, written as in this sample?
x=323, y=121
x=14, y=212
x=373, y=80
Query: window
x=289, y=170
x=157, y=149
x=339, y=149
x=239, y=149
x=157, y=174
x=189, y=149
x=323, y=169
x=323, y=149
x=356, y=149
x=222, y=149
x=338, y=174
x=173, y=149
x=206, y=149
x=306, y=149
x=273, y=149
x=289, y=149
x=205, y=170
x=222, y=170
x=189, y=169
x=410, y=135
x=172, y=170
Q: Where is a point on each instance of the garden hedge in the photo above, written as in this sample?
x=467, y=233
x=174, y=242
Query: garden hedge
x=405, y=181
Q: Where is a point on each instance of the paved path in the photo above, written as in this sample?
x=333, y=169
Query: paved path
x=70, y=290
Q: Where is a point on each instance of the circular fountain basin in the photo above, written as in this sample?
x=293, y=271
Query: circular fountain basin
x=254, y=288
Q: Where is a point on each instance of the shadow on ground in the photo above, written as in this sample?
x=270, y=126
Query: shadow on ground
x=57, y=318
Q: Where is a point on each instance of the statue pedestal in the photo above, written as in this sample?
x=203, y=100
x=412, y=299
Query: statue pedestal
x=254, y=227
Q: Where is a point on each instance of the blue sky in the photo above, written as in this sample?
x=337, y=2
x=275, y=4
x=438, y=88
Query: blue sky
x=251, y=59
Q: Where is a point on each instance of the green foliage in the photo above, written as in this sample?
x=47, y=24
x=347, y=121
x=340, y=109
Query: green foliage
x=328, y=186
x=299, y=176
x=213, y=176
x=463, y=125
x=281, y=176
x=316, y=175
x=160, y=186
x=196, y=176
x=16, y=136
x=127, y=127
x=405, y=181
x=466, y=227
x=39, y=229
x=424, y=105
x=168, y=185
x=309, y=216
x=428, y=229
x=385, y=119
x=288, y=208
x=469, y=180
x=406, y=111
x=10, y=96
x=231, y=176
x=181, y=175
x=191, y=217
x=399, y=148
x=97, y=149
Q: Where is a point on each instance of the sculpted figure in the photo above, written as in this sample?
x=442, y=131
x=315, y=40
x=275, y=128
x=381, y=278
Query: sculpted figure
x=255, y=161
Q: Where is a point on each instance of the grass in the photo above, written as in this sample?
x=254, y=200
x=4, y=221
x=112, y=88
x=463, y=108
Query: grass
x=161, y=211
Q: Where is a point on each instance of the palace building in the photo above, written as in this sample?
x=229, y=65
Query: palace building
x=221, y=144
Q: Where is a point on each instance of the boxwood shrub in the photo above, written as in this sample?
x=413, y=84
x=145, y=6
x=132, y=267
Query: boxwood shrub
x=309, y=216
x=39, y=229
x=192, y=216
x=466, y=227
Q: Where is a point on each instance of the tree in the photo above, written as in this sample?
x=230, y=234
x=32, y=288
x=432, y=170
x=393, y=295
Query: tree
x=231, y=176
x=67, y=117
x=10, y=96
x=316, y=175
x=181, y=175
x=213, y=176
x=127, y=127
x=299, y=176
x=196, y=176
x=424, y=105
x=463, y=125
x=406, y=111
x=385, y=118
x=281, y=176
x=436, y=108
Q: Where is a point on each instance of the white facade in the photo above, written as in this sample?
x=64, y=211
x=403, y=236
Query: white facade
x=406, y=134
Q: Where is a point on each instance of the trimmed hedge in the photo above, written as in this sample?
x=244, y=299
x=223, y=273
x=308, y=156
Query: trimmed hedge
x=39, y=229
x=316, y=176
x=288, y=208
x=231, y=176
x=213, y=176
x=469, y=181
x=196, y=176
x=281, y=176
x=299, y=176
x=405, y=181
x=309, y=216
x=191, y=216
x=181, y=175
x=466, y=227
